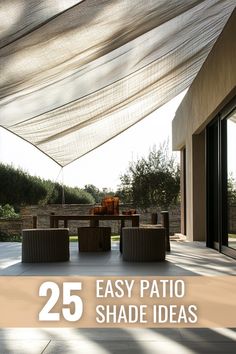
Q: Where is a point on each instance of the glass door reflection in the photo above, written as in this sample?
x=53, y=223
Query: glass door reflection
x=229, y=236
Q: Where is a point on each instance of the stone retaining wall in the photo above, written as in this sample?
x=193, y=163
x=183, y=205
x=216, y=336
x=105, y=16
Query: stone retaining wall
x=43, y=214
x=14, y=227
x=11, y=226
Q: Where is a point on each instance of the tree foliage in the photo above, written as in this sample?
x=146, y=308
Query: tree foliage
x=231, y=189
x=94, y=191
x=152, y=181
x=72, y=195
x=7, y=211
x=19, y=188
x=98, y=194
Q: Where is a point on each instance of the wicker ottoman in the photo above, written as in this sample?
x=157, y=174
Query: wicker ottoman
x=96, y=239
x=143, y=245
x=45, y=245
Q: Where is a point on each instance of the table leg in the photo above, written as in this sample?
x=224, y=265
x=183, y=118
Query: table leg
x=135, y=221
x=35, y=222
x=122, y=224
x=52, y=220
x=94, y=223
x=165, y=224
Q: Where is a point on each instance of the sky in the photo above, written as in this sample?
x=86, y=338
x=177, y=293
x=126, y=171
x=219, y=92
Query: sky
x=104, y=165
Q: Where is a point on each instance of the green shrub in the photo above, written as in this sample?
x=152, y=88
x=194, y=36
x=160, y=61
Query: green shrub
x=71, y=195
x=19, y=188
x=7, y=211
x=4, y=237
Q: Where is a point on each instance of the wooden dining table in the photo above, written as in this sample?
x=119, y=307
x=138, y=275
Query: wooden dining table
x=93, y=219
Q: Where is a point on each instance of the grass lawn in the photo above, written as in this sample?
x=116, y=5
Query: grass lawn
x=17, y=238
x=113, y=238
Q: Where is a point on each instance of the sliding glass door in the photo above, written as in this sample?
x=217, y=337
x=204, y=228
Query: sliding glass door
x=213, y=192
x=229, y=176
x=221, y=182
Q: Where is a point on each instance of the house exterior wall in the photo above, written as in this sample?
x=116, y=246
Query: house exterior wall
x=211, y=90
x=199, y=186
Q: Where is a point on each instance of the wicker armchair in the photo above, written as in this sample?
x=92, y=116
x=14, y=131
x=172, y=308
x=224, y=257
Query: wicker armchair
x=94, y=239
x=143, y=245
x=45, y=245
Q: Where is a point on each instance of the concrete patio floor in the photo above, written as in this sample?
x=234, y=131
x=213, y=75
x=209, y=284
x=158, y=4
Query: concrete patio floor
x=184, y=259
x=117, y=341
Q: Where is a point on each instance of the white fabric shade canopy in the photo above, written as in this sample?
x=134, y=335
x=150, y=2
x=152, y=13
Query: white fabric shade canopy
x=74, y=74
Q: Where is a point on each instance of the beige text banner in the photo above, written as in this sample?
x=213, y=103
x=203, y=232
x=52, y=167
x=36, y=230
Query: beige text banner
x=117, y=301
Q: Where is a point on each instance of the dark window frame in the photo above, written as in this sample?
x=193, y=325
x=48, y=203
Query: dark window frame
x=218, y=160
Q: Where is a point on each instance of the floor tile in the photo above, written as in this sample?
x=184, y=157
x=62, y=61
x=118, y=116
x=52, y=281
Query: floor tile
x=22, y=347
x=185, y=258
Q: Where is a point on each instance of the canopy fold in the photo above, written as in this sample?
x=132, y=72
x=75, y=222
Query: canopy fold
x=75, y=74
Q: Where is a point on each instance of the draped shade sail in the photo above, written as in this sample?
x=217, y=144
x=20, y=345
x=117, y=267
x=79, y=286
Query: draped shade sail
x=74, y=74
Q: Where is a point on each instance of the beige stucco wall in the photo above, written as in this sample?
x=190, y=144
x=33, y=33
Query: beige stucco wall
x=213, y=87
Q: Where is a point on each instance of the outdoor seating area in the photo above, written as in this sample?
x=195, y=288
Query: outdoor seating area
x=148, y=243
x=118, y=177
x=52, y=245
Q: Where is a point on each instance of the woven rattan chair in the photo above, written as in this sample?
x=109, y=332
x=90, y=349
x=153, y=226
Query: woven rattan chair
x=45, y=245
x=92, y=239
x=143, y=244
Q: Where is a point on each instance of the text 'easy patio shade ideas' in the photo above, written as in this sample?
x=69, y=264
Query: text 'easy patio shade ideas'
x=74, y=74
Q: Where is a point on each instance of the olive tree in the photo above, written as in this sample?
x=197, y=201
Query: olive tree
x=152, y=181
